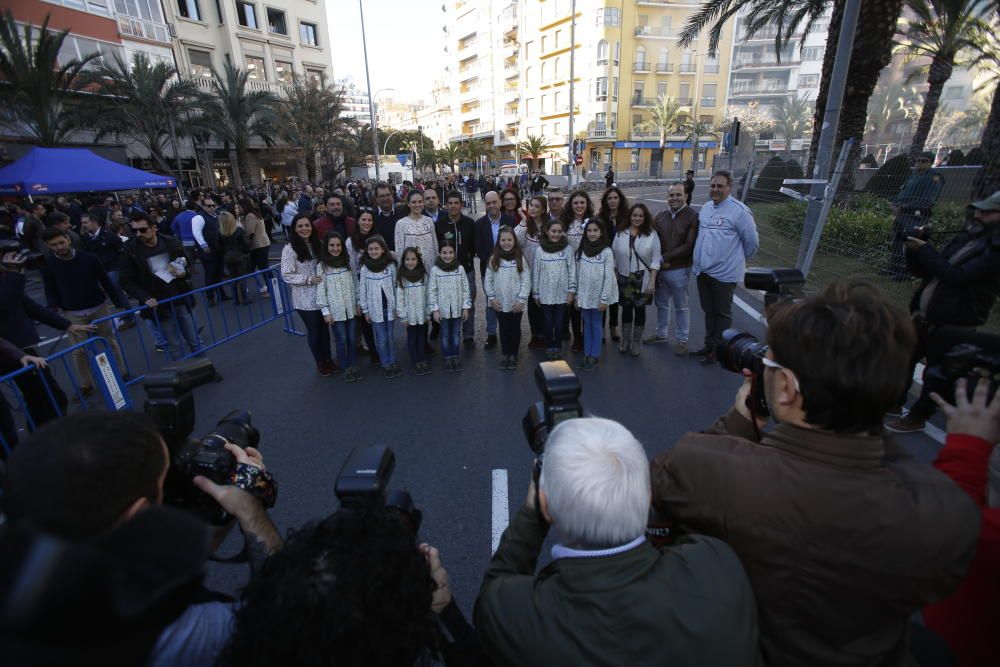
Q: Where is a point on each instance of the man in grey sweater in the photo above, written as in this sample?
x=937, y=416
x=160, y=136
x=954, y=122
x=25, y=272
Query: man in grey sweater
x=727, y=239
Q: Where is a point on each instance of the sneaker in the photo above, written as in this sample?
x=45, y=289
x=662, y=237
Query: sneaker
x=457, y=366
x=162, y=348
x=470, y=343
x=911, y=423
x=512, y=362
x=491, y=342
x=536, y=343
x=389, y=373
x=708, y=360
x=681, y=349
x=423, y=368
x=586, y=365
x=614, y=334
x=655, y=339
x=703, y=352
x=324, y=368
x=335, y=367
x=449, y=365
x=577, y=345
x=397, y=372
x=349, y=375
x=897, y=411
x=502, y=364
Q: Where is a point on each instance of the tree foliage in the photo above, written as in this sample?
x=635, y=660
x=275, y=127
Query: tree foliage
x=533, y=147
x=309, y=118
x=666, y=119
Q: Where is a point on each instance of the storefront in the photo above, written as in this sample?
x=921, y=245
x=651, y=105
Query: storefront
x=648, y=159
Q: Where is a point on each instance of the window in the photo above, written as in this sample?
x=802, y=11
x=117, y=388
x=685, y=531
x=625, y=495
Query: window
x=255, y=68
x=601, y=90
x=308, y=33
x=545, y=104
x=283, y=71
x=600, y=121
x=189, y=9
x=276, y=22
x=665, y=25
x=636, y=119
x=638, y=88
x=634, y=160
x=953, y=93
x=246, y=14
x=558, y=102
x=711, y=66
x=528, y=72
x=201, y=63
x=708, y=94
x=811, y=53
x=609, y=16
x=640, y=57
x=315, y=77
x=664, y=57
x=529, y=106
x=614, y=120
x=557, y=69
x=618, y=52
x=75, y=47
x=602, y=52
x=558, y=35
x=142, y=9
x=528, y=48
x=614, y=90
x=661, y=89
x=808, y=80
x=545, y=43
x=685, y=96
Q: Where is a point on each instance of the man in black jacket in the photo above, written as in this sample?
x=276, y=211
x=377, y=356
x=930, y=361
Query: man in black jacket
x=18, y=314
x=609, y=597
x=154, y=268
x=461, y=230
x=95, y=238
x=77, y=284
x=386, y=215
x=487, y=228
x=959, y=286
x=538, y=183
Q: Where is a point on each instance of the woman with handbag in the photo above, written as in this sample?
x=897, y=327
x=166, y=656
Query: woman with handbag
x=234, y=247
x=637, y=261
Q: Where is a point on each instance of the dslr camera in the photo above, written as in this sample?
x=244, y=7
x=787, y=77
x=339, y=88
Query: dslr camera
x=968, y=361
x=169, y=401
x=560, y=401
x=24, y=257
x=363, y=484
x=923, y=232
x=740, y=350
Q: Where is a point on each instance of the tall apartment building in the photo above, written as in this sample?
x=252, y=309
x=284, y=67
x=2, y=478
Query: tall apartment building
x=509, y=62
x=758, y=74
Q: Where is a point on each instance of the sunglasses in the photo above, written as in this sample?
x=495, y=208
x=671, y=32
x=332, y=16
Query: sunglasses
x=922, y=159
x=210, y=206
x=141, y=230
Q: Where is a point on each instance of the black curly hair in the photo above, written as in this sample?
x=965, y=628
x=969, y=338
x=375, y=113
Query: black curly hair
x=352, y=589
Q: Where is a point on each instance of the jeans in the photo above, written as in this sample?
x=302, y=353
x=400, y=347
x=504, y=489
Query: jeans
x=317, y=334
x=344, y=336
x=157, y=333
x=105, y=330
x=258, y=262
x=181, y=321
x=469, y=325
x=416, y=338
x=491, y=315
x=673, y=284
x=383, y=342
x=717, y=302
x=554, y=316
x=593, y=332
x=510, y=333
x=451, y=330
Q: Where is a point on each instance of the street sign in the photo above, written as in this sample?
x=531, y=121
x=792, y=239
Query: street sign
x=402, y=157
x=578, y=160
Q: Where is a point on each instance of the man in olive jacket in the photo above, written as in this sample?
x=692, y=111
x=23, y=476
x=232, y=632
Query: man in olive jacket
x=843, y=536
x=608, y=597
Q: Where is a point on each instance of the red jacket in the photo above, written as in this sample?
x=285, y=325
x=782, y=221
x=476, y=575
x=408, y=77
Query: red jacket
x=969, y=620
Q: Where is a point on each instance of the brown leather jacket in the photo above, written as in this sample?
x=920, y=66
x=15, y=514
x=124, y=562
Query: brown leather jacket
x=843, y=537
x=677, y=236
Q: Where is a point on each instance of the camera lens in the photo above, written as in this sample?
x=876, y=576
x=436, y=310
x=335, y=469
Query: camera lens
x=740, y=350
x=236, y=427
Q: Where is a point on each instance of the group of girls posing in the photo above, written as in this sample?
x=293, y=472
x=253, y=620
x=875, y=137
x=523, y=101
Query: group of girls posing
x=565, y=270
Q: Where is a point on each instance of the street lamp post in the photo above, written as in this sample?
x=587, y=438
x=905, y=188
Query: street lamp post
x=572, y=86
x=371, y=100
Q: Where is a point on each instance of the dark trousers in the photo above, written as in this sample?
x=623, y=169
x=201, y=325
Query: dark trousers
x=554, y=316
x=368, y=334
x=904, y=224
x=237, y=267
x=573, y=322
x=416, y=338
x=211, y=262
x=717, y=303
x=8, y=429
x=934, y=342
x=535, y=320
x=510, y=332
x=634, y=314
x=258, y=262
x=317, y=334
x=40, y=406
x=613, y=314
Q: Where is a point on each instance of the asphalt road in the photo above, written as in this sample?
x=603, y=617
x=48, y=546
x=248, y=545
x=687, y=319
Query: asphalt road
x=451, y=433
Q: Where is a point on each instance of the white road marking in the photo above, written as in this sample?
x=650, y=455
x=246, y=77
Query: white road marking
x=501, y=511
x=918, y=373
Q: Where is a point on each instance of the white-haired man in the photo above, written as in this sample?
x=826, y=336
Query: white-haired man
x=608, y=597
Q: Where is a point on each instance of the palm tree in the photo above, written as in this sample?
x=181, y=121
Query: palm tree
x=792, y=117
x=473, y=149
x=870, y=53
x=533, y=147
x=695, y=130
x=891, y=104
x=944, y=31
x=309, y=118
x=237, y=115
x=449, y=154
x=144, y=102
x=38, y=87
x=666, y=119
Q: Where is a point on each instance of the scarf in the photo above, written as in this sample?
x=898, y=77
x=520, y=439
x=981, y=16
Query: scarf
x=507, y=255
x=376, y=265
x=549, y=246
x=413, y=275
x=338, y=262
x=593, y=248
x=446, y=266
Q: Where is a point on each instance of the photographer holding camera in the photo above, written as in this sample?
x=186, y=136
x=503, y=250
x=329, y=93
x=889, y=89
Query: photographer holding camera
x=843, y=536
x=959, y=286
x=82, y=476
x=609, y=597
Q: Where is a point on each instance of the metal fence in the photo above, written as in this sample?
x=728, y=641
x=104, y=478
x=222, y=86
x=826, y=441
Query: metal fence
x=181, y=327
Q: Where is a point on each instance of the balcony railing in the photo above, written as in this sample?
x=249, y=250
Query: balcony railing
x=653, y=31
x=708, y=101
x=130, y=26
x=662, y=68
x=762, y=90
x=601, y=133
x=688, y=68
x=711, y=69
x=641, y=66
x=765, y=62
x=643, y=101
x=268, y=86
x=684, y=101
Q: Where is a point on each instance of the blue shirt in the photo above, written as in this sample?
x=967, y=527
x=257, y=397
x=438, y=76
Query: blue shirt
x=727, y=238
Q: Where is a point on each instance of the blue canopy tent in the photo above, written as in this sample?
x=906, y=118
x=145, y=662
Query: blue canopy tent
x=46, y=171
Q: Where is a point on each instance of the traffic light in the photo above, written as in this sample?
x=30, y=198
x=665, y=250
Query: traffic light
x=736, y=131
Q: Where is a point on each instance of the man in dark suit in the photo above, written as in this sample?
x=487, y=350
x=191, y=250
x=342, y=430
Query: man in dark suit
x=487, y=229
x=461, y=230
x=386, y=215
